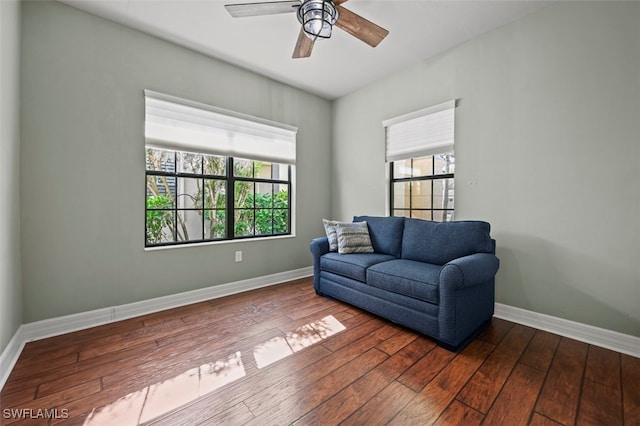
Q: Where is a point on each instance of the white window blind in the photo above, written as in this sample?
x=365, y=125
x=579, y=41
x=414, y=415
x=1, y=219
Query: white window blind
x=421, y=133
x=180, y=124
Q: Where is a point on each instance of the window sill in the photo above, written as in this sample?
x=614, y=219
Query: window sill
x=218, y=243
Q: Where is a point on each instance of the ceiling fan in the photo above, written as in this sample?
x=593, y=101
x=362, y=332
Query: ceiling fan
x=317, y=18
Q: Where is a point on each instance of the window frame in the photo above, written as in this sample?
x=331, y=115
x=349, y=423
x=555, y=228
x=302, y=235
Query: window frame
x=230, y=182
x=422, y=178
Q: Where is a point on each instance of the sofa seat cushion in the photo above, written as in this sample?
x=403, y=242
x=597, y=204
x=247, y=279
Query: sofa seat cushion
x=410, y=278
x=352, y=265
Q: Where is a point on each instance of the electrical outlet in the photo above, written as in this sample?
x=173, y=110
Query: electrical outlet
x=238, y=256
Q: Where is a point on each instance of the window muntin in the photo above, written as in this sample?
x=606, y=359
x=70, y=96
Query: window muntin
x=423, y=187
x=191, y=198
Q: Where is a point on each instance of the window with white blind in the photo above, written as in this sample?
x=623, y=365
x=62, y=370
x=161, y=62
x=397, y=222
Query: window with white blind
x=213, y=174
x=420, y=151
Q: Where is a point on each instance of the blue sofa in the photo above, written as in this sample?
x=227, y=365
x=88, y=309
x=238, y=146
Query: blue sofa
x=434, y=277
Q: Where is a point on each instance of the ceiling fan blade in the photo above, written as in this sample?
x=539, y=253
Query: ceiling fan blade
x=304, y=46
x=339, y=1
x=257, y=9
x=359, y=27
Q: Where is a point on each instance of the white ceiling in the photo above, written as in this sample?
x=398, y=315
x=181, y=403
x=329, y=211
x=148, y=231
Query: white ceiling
x=418, y=30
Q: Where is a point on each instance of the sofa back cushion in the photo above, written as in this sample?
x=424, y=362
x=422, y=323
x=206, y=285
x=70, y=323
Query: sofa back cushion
x=441, y=242
x=385, y=232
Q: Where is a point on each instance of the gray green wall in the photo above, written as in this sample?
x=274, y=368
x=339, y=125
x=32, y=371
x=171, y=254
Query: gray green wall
x=10, y=281
x=547, y=151
x=82, y=164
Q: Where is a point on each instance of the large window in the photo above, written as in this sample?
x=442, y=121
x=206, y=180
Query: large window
x=419, y=150
x=197, y=192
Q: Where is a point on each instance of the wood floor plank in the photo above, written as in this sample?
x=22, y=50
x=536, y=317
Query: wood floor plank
x=29, y=385
x=260, y=302
x=324, y=315
x=116, y=343
x=307, y=308
x=383, y=407
x=630, y=367
x=495, y=332
x=177, y=362
x=239, y=414
x=44, y=347
x=286, y=410
x=88, y=409
x=18, y=397
x=103, y=365
x=239, y=391
x=60, y=399
x=603, y=366
x=265, y=309
x=397, y=342
x=42, y=355
x=221, y=401
x=176, y=313
x=368, y=326
x=517, y=398
x=540, y=420
x=290, y=385
x=209, y=334
x=480, y=392
x=427, y=406
x=423, y=371
x=599, y=405
x=459, y=414
x=282, y=308
x=345, y=402
x=541, y=350
x=26, y=369
x=561, y=390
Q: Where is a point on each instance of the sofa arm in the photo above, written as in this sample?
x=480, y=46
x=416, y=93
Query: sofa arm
x=319, y=246
x=469, y=270
x=467, y=297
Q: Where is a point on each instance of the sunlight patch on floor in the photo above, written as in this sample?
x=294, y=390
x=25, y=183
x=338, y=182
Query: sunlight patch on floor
x=279, y=347
x=161, y=398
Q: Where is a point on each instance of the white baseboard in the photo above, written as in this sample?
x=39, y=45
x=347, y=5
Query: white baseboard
x=55, y=326
x=613, y=340
x=9, y=356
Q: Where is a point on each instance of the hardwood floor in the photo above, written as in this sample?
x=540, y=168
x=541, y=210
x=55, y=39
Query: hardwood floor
x=282, y=355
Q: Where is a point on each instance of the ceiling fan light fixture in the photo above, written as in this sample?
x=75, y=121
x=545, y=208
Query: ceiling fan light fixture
x=317, y=18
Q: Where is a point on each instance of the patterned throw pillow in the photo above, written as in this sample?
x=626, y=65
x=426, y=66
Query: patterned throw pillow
x=330, y=230
x=353, y=238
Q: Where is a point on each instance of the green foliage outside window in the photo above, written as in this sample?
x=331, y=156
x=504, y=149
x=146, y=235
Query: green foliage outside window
x=267, y=220
x=157, y=220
